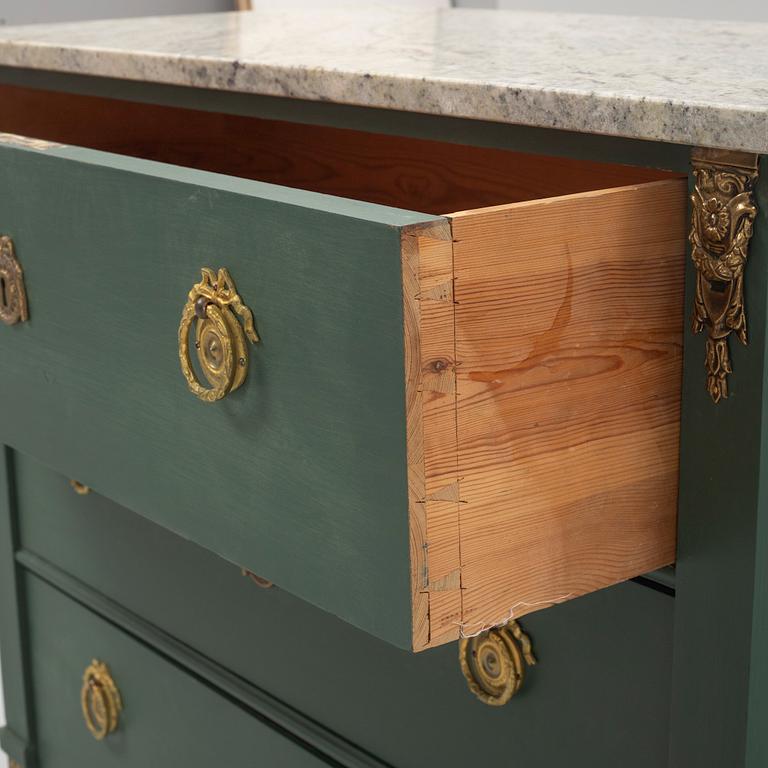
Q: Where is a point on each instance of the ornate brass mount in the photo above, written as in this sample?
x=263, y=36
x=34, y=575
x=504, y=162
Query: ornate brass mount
x=219, y=338
x=721, y=226
x=13, y=297
x=100, y=701
x=494, y=661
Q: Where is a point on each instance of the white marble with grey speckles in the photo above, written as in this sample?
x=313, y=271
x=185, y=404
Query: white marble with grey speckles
x=691, y=82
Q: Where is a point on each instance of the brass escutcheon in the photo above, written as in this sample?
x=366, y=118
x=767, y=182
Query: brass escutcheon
x=100, y=701
x=220, y=340
x=13, y=297
x=494, y=661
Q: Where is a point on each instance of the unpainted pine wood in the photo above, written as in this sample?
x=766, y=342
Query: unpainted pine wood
x=416, y=174
x=431, y=428
x=568, y=356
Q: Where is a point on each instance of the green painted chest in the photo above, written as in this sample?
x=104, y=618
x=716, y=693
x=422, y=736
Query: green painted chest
x=291, y=390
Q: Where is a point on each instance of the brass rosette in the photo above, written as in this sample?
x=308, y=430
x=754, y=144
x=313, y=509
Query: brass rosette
x=100, y=701
x=214, y=306
x=494, y=663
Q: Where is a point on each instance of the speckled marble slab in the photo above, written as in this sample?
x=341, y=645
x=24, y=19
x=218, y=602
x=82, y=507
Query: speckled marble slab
x=693, y=82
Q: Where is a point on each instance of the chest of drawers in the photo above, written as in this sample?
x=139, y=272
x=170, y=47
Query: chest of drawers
x=422, y=373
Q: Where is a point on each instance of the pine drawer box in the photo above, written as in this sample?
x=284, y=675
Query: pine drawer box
x=448, y=420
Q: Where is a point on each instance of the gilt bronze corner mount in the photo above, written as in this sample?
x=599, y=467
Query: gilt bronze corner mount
x=722, y=214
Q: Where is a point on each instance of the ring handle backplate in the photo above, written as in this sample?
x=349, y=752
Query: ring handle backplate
x=100, y=701
x=220, y=323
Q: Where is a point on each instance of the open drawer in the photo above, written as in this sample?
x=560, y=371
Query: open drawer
x=448, y=420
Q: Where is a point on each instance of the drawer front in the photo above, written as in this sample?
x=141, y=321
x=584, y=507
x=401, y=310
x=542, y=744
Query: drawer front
x=599, y=694
x=165, y=718
x=301, y=473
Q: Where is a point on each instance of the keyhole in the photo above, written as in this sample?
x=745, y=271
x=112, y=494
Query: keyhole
x=3, y=295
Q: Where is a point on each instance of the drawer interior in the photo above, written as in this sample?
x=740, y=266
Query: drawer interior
x=417, y=174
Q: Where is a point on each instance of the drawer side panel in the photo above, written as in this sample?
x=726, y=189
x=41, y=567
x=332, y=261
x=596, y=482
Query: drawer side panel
x=569, y=316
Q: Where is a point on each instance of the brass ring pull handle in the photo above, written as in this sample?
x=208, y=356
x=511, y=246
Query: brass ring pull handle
x=13, y=298
x=493, y=662
x=100, y=701
x=213, y=305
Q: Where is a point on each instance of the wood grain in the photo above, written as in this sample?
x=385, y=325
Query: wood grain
x=430, y=387
x=417, y=174
x=568, y=344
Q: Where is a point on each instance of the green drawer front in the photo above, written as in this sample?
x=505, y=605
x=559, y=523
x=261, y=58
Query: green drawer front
x=599, y=697
x=301, y=473
x=169, y=719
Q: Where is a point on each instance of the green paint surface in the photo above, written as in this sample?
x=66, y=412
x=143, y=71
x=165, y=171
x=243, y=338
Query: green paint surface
x=18, y=731
x=719, y=679
x=168, y=718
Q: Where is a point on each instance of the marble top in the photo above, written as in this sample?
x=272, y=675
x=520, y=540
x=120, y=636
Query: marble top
x=692, y=82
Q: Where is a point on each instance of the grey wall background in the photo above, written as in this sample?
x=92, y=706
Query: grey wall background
x=36, y=11
x=747, y=10
x=39, y=11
